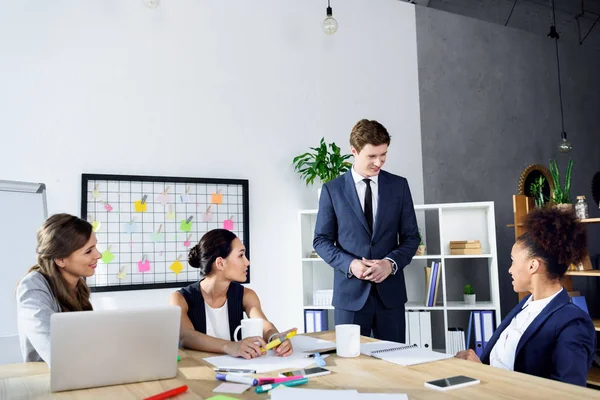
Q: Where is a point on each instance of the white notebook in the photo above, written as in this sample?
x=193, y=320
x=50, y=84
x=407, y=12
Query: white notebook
x=400, y=353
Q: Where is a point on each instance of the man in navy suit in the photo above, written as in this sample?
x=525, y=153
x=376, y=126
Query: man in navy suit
x=367, y=231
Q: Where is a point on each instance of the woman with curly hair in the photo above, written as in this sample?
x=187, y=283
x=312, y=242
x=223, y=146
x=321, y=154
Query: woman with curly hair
x=545, y=334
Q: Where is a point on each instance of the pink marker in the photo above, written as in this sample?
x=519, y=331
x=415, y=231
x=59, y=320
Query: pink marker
x=266, y=381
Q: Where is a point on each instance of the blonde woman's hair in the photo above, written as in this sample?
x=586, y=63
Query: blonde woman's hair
x=59, y=237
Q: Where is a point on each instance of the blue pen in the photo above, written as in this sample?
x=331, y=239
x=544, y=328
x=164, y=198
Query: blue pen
x=266, y=388
x=238, y=379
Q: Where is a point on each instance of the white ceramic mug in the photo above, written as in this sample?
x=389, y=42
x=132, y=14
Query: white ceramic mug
x=250, y=327
x=347, y=340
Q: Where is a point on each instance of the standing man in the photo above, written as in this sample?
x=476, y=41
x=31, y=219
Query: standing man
x=367, y=231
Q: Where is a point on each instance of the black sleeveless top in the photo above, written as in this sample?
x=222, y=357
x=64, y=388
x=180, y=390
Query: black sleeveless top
x=197, y=312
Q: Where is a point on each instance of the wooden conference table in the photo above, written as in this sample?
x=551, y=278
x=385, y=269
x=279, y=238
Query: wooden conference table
x=365, y=374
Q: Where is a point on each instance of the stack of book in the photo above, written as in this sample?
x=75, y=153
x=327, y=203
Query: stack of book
x=465, y=247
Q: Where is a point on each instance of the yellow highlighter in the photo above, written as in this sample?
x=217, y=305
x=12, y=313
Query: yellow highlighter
x=277, y=341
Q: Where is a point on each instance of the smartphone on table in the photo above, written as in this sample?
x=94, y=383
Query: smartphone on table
x=307, y=372
x=453, y=382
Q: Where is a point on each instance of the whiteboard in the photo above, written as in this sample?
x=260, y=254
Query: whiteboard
x=22, y=213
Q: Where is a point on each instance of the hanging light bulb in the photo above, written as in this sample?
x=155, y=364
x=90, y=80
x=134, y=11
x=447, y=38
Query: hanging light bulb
x=151, y=3
x=330, y=25
x=564, y=146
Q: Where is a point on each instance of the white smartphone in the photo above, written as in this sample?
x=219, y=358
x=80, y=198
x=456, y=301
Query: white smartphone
x=453, y=382
x=307, y=372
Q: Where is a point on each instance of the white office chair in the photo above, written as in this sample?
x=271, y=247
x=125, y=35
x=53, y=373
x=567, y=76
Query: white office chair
x=10, y=351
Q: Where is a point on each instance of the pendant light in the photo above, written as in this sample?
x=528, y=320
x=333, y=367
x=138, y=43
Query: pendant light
x=564, y=146
x=329, y=25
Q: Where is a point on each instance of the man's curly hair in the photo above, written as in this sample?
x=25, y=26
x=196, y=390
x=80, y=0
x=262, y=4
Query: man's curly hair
x=556, y=237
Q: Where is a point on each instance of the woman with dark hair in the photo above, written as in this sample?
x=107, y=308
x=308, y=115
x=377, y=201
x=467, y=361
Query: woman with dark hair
x=545, y=334
x=66, y=255
x=214, y=307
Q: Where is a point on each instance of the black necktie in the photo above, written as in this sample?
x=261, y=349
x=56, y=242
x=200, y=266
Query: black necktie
x=369, y=204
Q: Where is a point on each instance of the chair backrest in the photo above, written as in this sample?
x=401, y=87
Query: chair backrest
x=10, y=350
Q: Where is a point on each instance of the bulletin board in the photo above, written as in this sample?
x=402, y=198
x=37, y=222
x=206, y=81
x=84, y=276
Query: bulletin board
x=146, y=225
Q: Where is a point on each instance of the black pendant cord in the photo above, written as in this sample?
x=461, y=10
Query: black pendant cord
x=511, y=12
x=554, y=35
x=562, y=118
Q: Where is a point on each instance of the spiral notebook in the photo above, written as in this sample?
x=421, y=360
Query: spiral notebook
x=400, y=353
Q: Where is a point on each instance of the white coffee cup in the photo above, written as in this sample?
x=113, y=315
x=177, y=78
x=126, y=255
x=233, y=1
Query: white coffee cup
x=250, y=327
x=347, y=340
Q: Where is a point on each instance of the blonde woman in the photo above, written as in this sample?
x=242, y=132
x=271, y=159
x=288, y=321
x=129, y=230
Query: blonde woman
x=66, y=254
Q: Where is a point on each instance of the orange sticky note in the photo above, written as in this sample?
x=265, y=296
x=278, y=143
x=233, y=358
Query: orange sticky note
x=217, y=198
x=176, y=267
x=140, y=207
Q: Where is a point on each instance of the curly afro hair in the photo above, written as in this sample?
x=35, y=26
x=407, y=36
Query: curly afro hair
x=556, y=237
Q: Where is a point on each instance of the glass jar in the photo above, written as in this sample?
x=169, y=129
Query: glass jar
x=581, y=208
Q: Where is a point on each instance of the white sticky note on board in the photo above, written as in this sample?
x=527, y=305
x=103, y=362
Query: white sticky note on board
x=228, y=387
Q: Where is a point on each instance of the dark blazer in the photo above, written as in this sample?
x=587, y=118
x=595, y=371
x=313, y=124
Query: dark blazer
x=197, y=312
x=342, y=235
x=559, y=344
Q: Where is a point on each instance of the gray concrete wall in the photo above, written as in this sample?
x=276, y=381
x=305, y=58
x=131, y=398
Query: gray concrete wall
x=489, y=107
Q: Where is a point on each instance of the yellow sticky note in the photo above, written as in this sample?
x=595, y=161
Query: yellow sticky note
x=140, y=207
x=122, y=273
x=96, y=226
x=217, y=198
x=176, y=267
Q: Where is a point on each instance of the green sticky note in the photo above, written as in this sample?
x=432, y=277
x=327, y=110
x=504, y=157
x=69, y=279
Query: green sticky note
x=107, y=257
x=185, y=226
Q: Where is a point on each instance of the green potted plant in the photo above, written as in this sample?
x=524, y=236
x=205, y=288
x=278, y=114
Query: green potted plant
x=469, y=295
x=324, y=162
x=536, y=189
x=561, y=195
x=422, y=249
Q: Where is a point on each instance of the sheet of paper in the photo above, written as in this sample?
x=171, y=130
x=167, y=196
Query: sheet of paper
x=228, y=387
x=266, y=363
x=221, y=397
x=289, y=393
x=303, y=343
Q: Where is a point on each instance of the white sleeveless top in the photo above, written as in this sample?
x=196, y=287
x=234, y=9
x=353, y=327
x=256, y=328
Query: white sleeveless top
x=217, y=321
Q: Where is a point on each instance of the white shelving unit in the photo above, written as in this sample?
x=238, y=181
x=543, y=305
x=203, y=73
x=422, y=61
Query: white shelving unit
x=444, y=222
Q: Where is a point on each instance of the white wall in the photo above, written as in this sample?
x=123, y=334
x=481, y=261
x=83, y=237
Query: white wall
x=212, y=88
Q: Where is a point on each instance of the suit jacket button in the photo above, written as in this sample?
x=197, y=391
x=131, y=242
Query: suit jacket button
x=372, y=243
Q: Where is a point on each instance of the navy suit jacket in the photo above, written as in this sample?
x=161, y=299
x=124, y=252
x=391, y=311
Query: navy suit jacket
x=342, y=235
x=559, y=344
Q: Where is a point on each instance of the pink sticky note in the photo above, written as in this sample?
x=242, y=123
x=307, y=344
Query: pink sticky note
x=108, y=207
x=207, y=216
x=187, y=243
x=144, y=266
x=228, y=224
x=164, y=199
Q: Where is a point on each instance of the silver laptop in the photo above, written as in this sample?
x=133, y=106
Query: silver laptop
x=99, y=348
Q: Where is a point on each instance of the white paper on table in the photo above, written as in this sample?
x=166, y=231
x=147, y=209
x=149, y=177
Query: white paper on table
x=302, y=343
x=267, y=363
x=289, y=393
x=228, y=387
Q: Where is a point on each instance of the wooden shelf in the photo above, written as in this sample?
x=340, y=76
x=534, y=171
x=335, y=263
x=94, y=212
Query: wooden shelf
x=589, y=272
x=590, y=220
x=596, y=324
x=594, y=376
x=513, y=225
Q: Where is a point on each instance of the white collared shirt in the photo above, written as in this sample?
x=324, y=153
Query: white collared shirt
x=361, y=188
x=504, y=351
